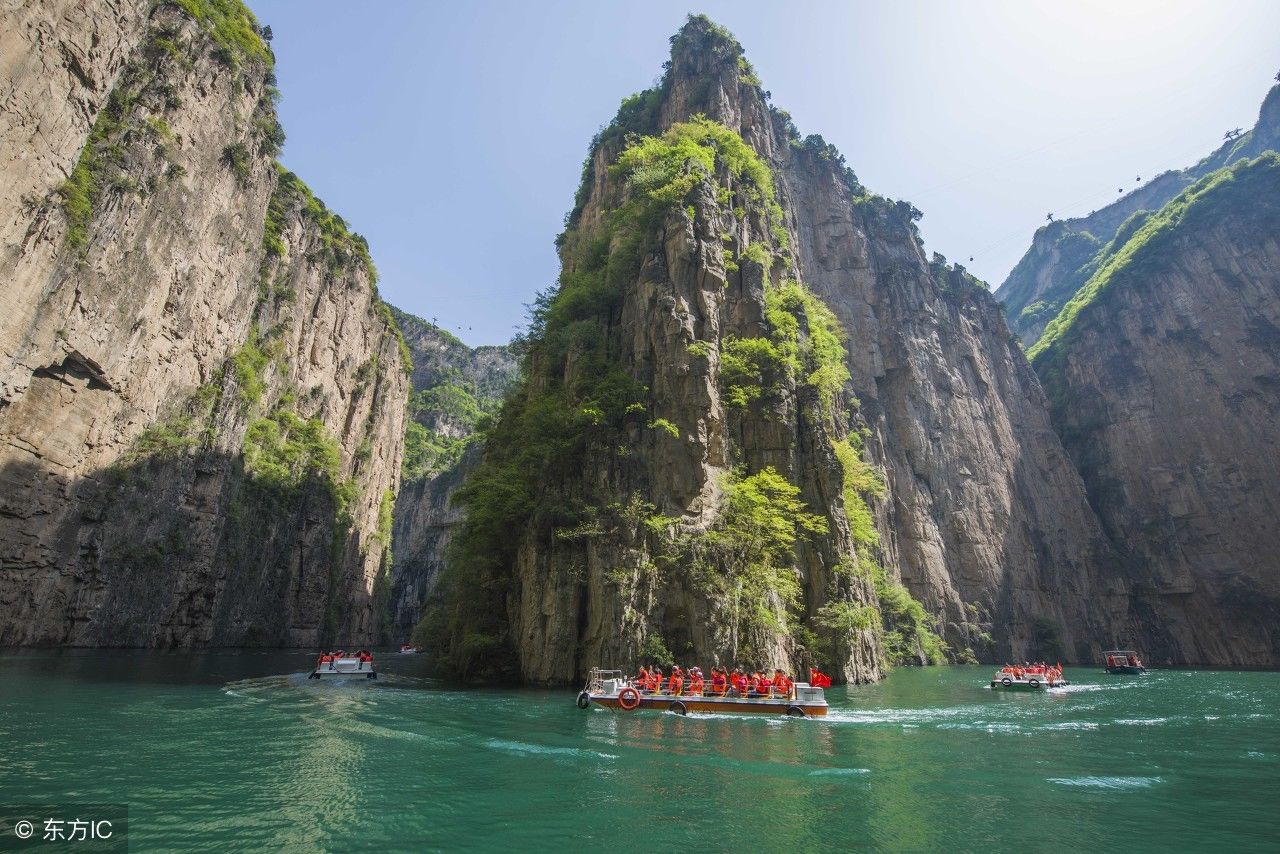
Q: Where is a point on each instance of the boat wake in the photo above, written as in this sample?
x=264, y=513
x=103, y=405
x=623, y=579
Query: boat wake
x=1113, y=783
x=1142, y=721
x=1090, y=688
x=897, y=716
x=521, y=748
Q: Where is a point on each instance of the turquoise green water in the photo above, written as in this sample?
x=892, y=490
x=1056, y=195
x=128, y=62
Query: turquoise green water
x=227, y=751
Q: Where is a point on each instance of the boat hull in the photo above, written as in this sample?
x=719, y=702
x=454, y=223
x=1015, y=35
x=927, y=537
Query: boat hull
x=718, y=705
x=345, y=669
x=1024, y=685
x=1126, y=670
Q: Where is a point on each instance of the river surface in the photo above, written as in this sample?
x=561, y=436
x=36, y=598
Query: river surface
x=239, y=751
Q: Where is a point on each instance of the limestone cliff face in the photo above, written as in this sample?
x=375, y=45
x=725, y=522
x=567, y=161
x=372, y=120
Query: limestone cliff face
x=1165, y=384
x=985, y=518
x=425, y=519
x=1064, y=254
x=201, y=397
x=981, y=515
x=456, y=388
x=58, y=62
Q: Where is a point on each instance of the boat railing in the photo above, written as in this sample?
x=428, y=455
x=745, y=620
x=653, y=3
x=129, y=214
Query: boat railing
x=597, y=677
x=726, y=692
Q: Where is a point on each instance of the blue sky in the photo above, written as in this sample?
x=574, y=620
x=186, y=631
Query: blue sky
x=452, y=135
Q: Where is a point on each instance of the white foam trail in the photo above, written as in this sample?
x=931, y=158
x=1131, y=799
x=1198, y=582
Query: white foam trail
x=520, y=747
x=1107, y=782
x=839, y=772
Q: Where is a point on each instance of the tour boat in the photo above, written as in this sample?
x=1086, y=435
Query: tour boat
x=408, y=649
x=344, y=665
x=609, y=688
x=1035, y=677
x=1123, y=661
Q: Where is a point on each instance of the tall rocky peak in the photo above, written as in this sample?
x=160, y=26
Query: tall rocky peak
x=1162, y=372
x=456, y=392
x=740, y=331
x=201, y=396
x=1065, y=253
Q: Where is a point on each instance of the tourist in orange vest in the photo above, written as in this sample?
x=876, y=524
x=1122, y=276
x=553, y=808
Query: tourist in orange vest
x=695, y=681
x=739, y=682
x=719, y=681
x=781, y=684
x=676, y=683
x=642, y=678
x=655, y=680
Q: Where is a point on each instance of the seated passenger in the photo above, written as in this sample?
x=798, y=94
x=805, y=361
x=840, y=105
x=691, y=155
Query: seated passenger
x=655, y=681
x=696, y=681
x=738, y=681
x=781, y=684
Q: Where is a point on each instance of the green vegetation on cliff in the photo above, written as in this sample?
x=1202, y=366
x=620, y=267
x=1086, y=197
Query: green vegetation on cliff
x=1247, y=185
x=339, y=245
x=283, y=451
x=583, y=396
x=460, y=411
x=661, y=172
x=746, y=560
x=577, y=403
x=232, y=26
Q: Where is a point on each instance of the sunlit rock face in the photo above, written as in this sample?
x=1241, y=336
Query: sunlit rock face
x=201, y=396
x=983, y=516
x=1166, y=388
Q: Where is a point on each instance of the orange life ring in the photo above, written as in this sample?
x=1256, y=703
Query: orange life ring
x=628, y=699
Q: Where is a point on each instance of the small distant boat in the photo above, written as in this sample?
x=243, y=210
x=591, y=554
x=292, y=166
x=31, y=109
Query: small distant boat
x=1035, y=677
x=609, y=688
x=408, y=649
x=1123, y=661
x=343, y=665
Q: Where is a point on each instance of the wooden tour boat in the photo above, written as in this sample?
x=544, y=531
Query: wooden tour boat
x=1118, y=661
x=613, y=690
